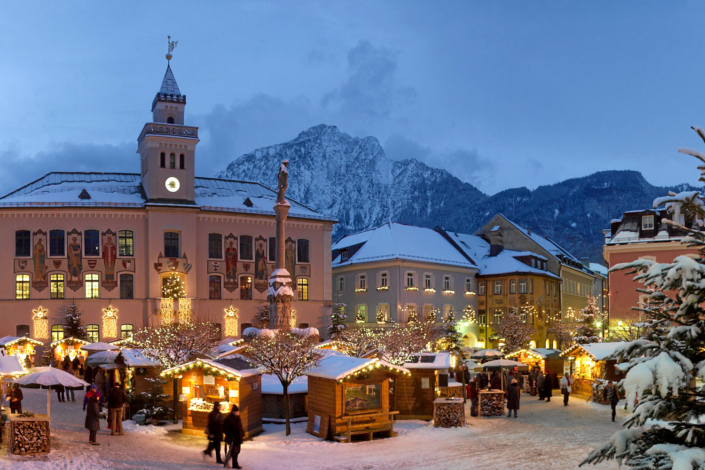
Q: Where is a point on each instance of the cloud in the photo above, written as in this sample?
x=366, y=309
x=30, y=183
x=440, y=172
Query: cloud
x=371, y=87
x=465, y=164
x=65, y=156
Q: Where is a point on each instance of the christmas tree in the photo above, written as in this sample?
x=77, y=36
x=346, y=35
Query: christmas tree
x=174, y=287
x=452, y=341
x=47, y=357
x=589, y=325
x=155, y=406
x=73, y=327
x=667, y=427
x=338, y=320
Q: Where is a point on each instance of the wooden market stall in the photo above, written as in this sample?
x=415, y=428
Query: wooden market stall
x=273, y=400
x=20, y=346
x=427, y=381
x=69, y=347
x=203, y=382
x=545, y=359
x=588, y=362
x=350, y=396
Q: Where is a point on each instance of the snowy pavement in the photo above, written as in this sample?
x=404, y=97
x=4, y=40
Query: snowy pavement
x=545, y=436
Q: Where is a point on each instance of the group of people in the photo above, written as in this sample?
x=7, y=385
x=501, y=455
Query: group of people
x=231, y=427
x=92, y=405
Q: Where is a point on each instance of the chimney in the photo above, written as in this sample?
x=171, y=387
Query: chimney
x=586, y=262
x=528, y=230
x=496, y=239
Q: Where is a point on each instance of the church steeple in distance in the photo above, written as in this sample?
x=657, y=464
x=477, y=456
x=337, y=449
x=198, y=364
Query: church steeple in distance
x=167, y=146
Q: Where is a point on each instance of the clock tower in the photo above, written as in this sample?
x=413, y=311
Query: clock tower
x=167, y=147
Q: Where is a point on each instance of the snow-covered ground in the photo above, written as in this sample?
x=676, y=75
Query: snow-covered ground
x=546, y=435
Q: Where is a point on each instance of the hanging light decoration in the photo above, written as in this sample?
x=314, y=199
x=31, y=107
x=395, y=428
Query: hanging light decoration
x=110, y=322
x=231, y=321
x=167, y=310
x=41, y=323
x=293, y=318
x=184, y=310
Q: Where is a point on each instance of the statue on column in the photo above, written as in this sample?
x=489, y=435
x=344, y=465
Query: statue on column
x=283, y=178
x=280, y=295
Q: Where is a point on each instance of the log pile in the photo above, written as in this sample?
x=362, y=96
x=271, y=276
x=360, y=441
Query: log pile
x=29, y=437
x=455, y=391
x=449, y=415
x=491, y=404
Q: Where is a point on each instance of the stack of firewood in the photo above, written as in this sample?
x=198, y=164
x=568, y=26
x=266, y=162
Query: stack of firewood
x=491, y=404
x=29, y=437
x=455, y=391
x=449, y=415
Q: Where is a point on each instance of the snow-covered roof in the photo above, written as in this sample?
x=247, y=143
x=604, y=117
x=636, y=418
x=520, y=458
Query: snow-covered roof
x=11, y=365
x=598, y=268
x=206, y=365
x=10, y=340
x=398, y=241
x=544, y=242
x=135, y=358
x=125, y=190
x=598, y=351
x=429, y=361
x=338, y=367
x=226, y=347
x=505, y=262
x=272, y=386
x=541, y=353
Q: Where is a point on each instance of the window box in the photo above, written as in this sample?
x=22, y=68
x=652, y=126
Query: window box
x=448, y=291
x=411, y=288
x=429, y=289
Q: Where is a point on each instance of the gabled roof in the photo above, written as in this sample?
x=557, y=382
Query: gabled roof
x=436, y=361
x=338, y=367
x=125, y=190
x=598, y=351
x=397, y=241
x=169, y=86
x=6, y=341
x=503, y=263
x=210, y=366
x=544, y=242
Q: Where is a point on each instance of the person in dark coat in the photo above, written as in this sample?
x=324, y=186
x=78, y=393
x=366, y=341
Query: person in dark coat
x=234, y=434
x=60, y=392
x=116, y=400
x=15, y=397
x=496, y=382
x=88, y=376
x=513, y=396
x=76, y=363
x=65, y=365
x=540, y=379
x=215, y=433
x=548, y=386
x=93, y=419
x=472, y=395
x=612, y=398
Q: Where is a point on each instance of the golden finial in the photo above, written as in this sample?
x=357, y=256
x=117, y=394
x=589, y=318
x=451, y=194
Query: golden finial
x=172, y=45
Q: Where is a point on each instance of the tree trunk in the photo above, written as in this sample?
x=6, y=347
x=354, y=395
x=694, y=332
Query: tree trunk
x=287, y=412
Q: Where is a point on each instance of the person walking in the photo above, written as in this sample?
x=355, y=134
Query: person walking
x=93, y=419
x=548, y=386
x=612, y=398
x=234, y=434
x=116, y=400
x=539, y=385
x=60, y=392
x=472, y=395
x=513, y=396
x=215, y=433
x=566, y=388
x=15, y=397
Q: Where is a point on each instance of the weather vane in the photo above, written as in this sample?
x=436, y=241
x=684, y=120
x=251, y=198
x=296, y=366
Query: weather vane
x=172, y=46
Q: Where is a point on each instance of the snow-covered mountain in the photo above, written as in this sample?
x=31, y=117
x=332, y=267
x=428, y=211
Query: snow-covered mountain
x=353, y=180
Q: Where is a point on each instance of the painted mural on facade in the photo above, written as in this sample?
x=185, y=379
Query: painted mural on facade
x=39, y=259
x=230, y=283
x=109, y=258
x=75, y=260
x=261, y=264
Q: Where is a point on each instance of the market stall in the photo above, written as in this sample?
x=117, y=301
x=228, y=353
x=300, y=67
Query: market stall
x=544, y=359
x=273, y=400
x=588, y=362
x=349, y=396
x=428, y=380
x=70, y=347
x=203, y=382
x=20, y=346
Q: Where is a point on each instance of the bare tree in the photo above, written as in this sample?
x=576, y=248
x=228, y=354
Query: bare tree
x=400, y=342
x=563, y=332
x=176, y=343
x=515, y=332
x=286, y=356
x=356, y=342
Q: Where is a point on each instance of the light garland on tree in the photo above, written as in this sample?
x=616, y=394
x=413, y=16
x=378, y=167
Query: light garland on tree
x=469, y=316
x=380, y=317
x=166, y=308
x=184, y=310
x=41, y=323
x=110, y=322
x=174, y=287
x=360, y=316
x=231, y=320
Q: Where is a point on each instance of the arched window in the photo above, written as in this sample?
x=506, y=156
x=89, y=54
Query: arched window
x=22, y=287
x=214, y=287
x=182, y=161
x=302, y=284
x=170, y=120
x=93, y=332
x=172, y=161
x=245, y=287
x=22, y=243
x=162, y=160
x=126, y=331
x=57, y=333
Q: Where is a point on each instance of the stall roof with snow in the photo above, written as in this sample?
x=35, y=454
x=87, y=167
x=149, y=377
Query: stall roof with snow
x=438, y=361
x=11, y=365
x=597, y=351
x=338, y=367
x=7, y=341
x=212, y=367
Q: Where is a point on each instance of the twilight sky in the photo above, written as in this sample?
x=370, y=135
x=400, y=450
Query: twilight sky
x=501, y=94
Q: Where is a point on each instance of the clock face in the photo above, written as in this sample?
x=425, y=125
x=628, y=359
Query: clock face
x=172, y=184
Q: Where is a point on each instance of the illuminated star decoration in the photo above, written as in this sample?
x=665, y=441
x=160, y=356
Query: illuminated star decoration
x=231, y=321
x=41, y=323
x=110, y=322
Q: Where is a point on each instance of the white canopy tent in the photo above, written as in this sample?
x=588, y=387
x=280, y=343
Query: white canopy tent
x=46, y=377
x=502, y=364
x=487, y=353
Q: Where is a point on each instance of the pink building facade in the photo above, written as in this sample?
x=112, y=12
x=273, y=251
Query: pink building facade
x=111, y=240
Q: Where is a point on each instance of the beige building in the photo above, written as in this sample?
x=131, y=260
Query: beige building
x=112, y=240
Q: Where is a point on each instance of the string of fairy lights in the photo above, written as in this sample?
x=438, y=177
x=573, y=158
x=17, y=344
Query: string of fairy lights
x=211, y=369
